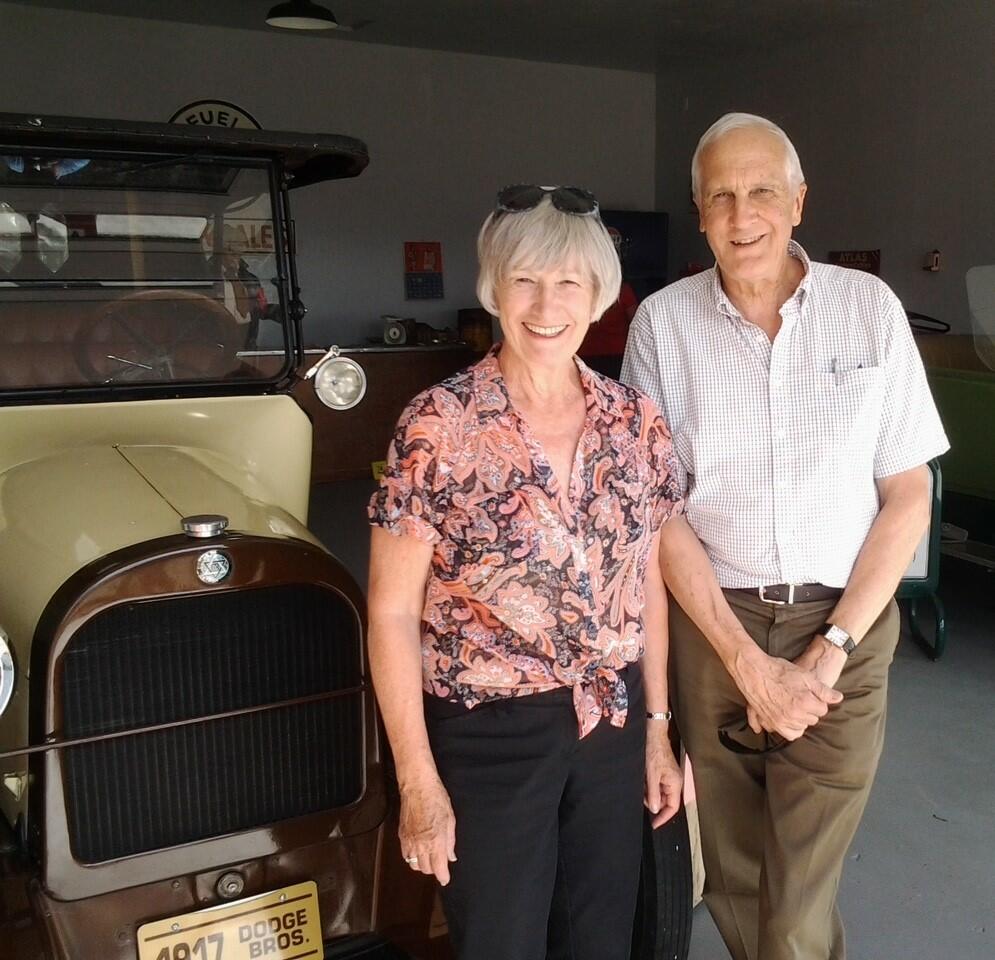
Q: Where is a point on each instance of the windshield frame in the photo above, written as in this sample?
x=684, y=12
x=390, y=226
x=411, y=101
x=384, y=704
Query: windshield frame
x=286, y=282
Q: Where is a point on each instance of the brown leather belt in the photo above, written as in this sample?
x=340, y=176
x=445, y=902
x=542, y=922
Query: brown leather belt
x=784, y=593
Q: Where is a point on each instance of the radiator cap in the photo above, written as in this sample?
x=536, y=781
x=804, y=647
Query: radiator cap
x=204, y=525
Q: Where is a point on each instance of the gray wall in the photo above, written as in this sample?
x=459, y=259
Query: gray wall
x=445, y=131
x=895, y=126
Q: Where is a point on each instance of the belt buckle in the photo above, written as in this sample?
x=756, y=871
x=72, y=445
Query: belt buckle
x=762, y=593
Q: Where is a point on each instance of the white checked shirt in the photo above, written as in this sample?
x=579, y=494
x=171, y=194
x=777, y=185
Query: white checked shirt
x=780, y=443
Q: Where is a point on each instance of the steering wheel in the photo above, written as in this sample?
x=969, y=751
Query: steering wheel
x=158, y=335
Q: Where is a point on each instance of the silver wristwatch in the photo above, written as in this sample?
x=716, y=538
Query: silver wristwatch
x=838, y=637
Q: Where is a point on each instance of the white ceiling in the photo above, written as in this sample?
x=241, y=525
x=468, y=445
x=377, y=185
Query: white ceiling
x=629, y=35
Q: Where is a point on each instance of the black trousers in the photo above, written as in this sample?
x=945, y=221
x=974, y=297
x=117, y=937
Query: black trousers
x=548, y=827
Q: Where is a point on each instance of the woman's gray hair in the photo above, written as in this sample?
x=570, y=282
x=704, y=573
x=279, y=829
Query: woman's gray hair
x=544, y=238
x=741, y=121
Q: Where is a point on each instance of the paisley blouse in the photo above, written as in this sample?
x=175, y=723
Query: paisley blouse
x=529, y=591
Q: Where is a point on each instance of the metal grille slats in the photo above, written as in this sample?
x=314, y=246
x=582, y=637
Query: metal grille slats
x=173, y=659
x=181, y=658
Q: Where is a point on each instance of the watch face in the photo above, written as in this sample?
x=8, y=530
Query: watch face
x=838, y=637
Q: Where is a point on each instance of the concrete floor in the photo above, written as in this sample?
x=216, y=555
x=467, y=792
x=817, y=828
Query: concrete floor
x=920, y=879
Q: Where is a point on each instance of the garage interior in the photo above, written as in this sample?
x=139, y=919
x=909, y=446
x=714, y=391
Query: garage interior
x=889, y=103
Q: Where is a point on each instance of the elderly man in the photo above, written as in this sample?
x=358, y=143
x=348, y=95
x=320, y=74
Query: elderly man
x=802, y=423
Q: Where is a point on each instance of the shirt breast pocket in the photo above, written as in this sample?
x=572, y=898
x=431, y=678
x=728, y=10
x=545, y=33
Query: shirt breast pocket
x=847, y=407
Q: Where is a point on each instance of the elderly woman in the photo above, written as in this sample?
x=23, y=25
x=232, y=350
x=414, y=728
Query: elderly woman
x=518, y=634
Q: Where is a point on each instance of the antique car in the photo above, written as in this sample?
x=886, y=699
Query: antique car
x=191, y=766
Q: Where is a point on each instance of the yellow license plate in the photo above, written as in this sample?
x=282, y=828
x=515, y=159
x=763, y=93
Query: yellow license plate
x=282, y=925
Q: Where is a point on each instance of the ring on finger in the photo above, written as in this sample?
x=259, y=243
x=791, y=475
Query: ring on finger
x=411, y=861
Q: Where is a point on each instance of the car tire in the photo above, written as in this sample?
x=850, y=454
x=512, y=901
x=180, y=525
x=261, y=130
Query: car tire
x=662, y=928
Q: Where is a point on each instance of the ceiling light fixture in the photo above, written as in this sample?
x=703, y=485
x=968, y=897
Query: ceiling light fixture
x=301, y=15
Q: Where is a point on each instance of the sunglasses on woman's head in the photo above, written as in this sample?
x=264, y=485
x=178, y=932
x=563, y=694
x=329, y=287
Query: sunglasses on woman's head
x=528, y=196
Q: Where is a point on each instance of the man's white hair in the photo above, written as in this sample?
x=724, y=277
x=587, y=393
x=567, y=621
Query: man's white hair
x=741, y=121
x=543, y=238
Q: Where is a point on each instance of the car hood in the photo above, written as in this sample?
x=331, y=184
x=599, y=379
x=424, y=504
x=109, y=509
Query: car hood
x=65, y=502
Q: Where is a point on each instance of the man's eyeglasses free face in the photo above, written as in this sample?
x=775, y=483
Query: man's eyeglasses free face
x=737, y=736
x=527, y=196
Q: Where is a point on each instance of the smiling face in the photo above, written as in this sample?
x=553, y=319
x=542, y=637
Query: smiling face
x=545, y=313
x=747, y=205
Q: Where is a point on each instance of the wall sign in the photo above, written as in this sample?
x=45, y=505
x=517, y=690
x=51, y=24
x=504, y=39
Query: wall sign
x=423, y=271
x=250, y=235
x=215, y=113
x=867, y=260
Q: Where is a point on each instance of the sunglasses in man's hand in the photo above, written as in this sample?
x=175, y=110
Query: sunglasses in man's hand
x=737, y=736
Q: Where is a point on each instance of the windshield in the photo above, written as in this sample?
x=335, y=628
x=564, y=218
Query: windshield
x=135, y=270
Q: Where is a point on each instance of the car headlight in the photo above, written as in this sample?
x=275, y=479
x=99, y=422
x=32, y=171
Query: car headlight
x=340, y=383
x=6, y=672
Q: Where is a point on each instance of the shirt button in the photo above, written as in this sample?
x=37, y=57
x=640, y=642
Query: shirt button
x=776, y=381
x=779, y=434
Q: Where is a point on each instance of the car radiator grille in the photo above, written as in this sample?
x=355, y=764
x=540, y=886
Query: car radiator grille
x=167, y=660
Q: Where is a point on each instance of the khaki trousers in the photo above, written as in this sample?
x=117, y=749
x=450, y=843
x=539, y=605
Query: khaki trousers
x=775, y=828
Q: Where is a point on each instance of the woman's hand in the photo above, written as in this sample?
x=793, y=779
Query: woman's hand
x=399, y=568
x=428, y=828
x=663, y=774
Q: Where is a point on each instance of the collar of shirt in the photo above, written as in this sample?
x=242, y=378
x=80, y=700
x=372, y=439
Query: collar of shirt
x=725, y=306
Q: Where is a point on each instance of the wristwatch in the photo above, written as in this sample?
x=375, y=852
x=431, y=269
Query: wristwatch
x=838, y=637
